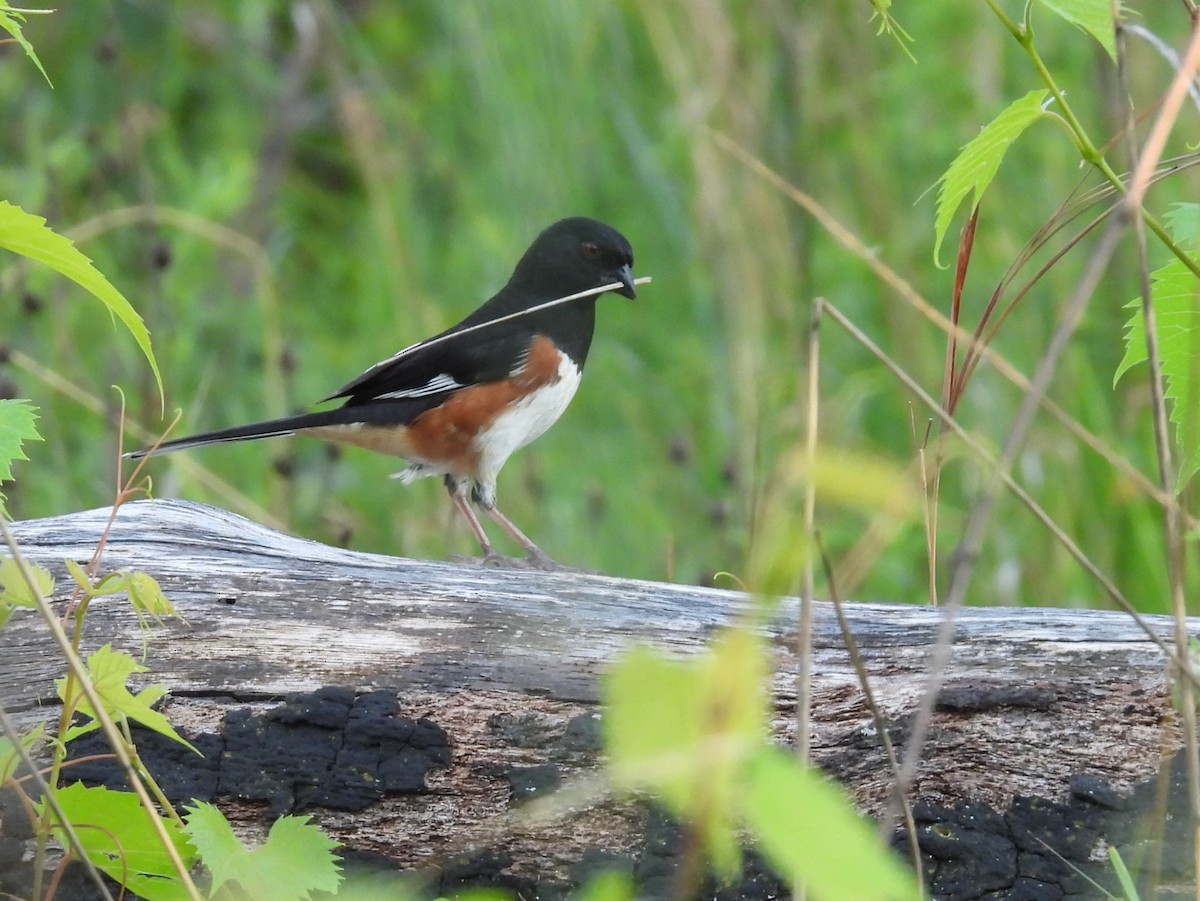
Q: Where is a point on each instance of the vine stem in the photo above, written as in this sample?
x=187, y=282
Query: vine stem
x=1023, y=33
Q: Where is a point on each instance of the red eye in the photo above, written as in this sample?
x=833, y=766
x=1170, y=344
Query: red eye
x=590, y=250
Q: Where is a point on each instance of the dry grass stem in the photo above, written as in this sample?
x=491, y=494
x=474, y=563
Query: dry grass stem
x=973, y=444
x=1146, y=160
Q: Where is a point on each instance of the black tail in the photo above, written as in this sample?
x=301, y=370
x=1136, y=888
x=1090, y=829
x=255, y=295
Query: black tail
x=399, y=412
x=286, y=426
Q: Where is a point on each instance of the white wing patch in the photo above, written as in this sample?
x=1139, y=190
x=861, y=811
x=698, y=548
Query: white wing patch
x=436, y=385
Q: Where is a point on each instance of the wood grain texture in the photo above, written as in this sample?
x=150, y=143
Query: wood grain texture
x=1034, y=695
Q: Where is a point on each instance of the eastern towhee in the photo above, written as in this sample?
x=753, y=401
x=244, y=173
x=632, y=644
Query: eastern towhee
x=460, y=403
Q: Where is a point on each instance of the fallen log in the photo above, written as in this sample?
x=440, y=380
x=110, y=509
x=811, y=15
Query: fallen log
x=462, y=691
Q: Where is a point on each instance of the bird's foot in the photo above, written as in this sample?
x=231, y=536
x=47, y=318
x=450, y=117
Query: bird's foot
x=535, y=559
x=495, y=561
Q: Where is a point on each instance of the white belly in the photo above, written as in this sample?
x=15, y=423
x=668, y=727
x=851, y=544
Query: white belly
x=526, y=420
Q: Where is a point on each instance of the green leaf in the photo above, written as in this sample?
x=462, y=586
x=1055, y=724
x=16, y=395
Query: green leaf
x=109, y=671
x=684, y=729
x=15, y=591
x=10, y=759
x=28, y=235
x=1183, y=222
x=976, y=165
x=119, y=838
x=296, y=859
x=611, y=886
x=17, y=418
x=808, y=831
x=145, y=595
x=1174, y=293
x=10, y=21
x=1093, y=16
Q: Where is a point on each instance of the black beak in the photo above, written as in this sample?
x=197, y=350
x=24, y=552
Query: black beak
x=625, y=276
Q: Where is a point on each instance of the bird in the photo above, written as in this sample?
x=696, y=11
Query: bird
x=459, y=404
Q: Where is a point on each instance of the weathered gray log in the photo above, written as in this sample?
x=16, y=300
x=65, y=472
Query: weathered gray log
x=1035, y=696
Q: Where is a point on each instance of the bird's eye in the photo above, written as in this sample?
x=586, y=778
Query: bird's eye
x=591, y=250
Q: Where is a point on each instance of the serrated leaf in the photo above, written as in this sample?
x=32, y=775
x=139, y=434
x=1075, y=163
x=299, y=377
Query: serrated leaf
x=109, y=671
x=17, y=418
x=119, y=838
x=145, y=595
x=10, y=21
x=1175, y=293
x=809, y=832
x=1093, y=16
x=10, y=758
x=976, y=164
x=296, y=860
x=1183, y=222
x=29, y=236
x=147, y=598
x=15, y=591
x=684, y=729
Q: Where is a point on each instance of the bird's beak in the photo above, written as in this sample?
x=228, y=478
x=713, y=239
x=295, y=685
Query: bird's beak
x=625, y=276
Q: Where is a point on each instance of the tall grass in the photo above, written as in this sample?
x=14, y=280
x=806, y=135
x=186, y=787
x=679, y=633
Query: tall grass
x=382, y=166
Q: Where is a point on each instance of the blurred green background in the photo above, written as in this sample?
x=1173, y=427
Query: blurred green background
x=289, y=192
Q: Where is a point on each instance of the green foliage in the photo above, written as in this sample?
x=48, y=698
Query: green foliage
x=889, y=26
x=145, y=595
x=694, y=733
x=685, y=729
x=841, y=479
x=365, y=235
x=30, y=237
x=808, y=830
x=377, y=233
x=296, y=860
x=1174, y=295
x=607, y=887
x=17, y=418
x=109, y=671
x=1093, y=16
x=15, y=591
x=974, y=168
x=10, y=757
x=118, y=837
x=11, y=20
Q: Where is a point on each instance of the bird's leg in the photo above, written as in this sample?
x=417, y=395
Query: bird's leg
x=536, y=555
x=464, y=507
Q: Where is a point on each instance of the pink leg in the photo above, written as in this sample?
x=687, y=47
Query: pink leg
x=535, y=553
x=464, y=507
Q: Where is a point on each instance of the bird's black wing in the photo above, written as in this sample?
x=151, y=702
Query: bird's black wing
x=439, y=366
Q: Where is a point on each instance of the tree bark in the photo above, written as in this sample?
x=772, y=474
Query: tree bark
x=1067, y=706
